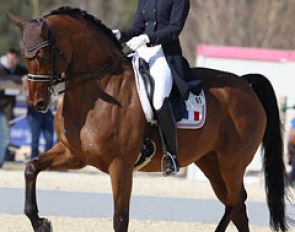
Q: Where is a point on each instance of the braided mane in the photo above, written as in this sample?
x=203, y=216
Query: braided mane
x=65, y=10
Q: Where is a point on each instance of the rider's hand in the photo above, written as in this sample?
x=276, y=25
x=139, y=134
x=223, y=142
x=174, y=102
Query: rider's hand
x=117, y=33
x=137, y=42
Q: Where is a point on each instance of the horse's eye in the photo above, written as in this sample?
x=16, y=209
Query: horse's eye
x=42, y=57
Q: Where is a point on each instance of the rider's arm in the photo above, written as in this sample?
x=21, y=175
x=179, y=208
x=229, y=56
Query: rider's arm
x=137, y=27
x=179, y=13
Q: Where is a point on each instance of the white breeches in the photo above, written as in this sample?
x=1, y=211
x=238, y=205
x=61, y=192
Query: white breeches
x=160, y=73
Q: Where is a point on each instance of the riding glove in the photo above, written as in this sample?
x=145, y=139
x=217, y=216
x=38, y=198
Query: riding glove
x=137, y=42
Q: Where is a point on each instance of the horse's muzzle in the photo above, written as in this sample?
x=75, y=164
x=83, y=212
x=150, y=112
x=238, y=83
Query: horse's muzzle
x=42, y=106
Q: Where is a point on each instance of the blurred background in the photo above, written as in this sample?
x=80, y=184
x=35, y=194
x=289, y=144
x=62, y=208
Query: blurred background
x=240, y=36
x=250, y=23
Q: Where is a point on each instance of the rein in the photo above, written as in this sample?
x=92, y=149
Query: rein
x=96, y=75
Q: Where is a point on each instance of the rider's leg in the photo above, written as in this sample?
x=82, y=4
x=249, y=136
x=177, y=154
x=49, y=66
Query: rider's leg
x=167, y=126
x=161, y=74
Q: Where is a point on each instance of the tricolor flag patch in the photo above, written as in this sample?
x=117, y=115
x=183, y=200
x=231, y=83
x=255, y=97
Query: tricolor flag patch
x=195, y=114
x=192, y=116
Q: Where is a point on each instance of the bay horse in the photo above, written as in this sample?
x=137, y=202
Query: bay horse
x=100, y=121
x=291, y=153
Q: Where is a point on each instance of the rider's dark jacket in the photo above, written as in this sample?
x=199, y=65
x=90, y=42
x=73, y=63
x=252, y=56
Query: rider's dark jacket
x=163, y=21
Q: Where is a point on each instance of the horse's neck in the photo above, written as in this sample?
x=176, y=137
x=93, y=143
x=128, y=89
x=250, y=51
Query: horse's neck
x=88, y=58
x=91, y=54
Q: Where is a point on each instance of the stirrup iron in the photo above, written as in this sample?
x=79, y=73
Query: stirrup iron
x=163, y=164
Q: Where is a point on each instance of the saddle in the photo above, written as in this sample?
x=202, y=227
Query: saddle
x=189, y=115
x=178, y=103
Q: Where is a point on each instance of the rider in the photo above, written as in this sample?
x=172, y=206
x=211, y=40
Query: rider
x=155, y=36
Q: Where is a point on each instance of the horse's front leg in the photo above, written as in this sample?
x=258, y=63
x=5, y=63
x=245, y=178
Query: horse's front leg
x=54, y=159
x=31, y=208
x=121, y=177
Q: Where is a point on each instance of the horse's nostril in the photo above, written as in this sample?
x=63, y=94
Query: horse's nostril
x=40, y=105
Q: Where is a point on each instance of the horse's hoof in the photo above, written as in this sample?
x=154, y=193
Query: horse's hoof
x=45, y=226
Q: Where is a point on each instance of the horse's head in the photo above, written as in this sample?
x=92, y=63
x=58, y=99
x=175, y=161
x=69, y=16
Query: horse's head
x=68, y=41
x=45, y=61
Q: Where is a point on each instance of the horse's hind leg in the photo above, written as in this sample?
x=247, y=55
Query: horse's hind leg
x=239, y=217
x=236, y=212
x=232, y=171
x=210, y=167
x=54, y=159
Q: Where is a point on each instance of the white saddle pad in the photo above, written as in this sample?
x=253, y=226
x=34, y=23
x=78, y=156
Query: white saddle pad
x=196, y=105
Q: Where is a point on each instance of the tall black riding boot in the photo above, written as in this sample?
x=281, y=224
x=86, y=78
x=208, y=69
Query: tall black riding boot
x=167, y=127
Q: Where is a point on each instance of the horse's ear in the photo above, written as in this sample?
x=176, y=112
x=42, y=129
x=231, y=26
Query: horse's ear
x=43, y=30
x=16, y=20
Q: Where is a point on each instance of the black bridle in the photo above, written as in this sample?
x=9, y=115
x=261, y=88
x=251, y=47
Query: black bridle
x=54, y=78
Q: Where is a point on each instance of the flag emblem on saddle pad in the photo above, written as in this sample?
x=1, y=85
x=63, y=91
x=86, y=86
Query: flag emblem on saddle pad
x=195, y=114
x=192, y=116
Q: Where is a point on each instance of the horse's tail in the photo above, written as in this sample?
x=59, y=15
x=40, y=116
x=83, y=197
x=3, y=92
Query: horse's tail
x=273, y=164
